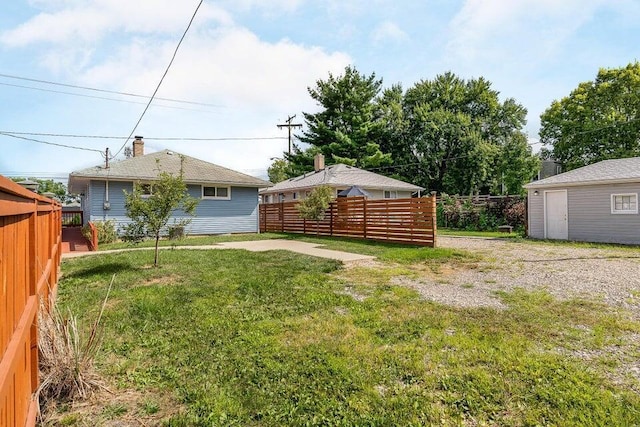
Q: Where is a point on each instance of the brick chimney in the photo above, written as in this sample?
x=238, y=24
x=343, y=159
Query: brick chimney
x=318, y=162
x=138, y=147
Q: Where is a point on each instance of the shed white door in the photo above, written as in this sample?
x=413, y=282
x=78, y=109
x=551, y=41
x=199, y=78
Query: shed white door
x=555, y=215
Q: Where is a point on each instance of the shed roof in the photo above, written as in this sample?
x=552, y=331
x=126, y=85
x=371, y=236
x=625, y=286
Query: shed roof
x=147, y=168
x=341, y=175
x=604, y=172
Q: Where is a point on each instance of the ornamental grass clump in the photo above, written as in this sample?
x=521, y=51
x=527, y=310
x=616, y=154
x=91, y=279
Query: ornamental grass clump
x=66, y=356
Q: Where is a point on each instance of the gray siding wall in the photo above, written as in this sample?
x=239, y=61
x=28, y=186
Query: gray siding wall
x=590, y=217
x=535, y=214
x=589, y=214
x=238, y=215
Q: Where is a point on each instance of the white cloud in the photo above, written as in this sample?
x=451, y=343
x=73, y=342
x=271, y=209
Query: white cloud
x=488, y=29
x=388, y=31
x=92, y=21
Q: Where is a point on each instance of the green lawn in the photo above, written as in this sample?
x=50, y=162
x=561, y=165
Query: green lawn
x=270, y=339
x=467, y=233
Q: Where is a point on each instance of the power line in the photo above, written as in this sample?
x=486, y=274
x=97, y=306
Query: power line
x=9, y=76
x=66, y=135
x=50, y=143
x=161, y=79
x=98, y=97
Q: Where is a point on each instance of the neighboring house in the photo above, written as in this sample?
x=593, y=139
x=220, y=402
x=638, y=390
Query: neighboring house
x=548, y=168
x=339, y=177
x=228, y=199
x=595, y=203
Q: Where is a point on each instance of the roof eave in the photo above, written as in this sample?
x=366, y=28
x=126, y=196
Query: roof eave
x=537, y=184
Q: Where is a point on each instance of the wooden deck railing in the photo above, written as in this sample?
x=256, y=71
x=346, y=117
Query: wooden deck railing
x=30, y=241
x=410, y=221
x=72, y=218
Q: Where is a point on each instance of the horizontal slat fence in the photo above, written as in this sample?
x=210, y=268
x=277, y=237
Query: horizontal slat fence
x=30, y=241
x=410, y=221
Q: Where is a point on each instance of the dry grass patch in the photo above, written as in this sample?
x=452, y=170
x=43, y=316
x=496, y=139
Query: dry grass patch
x=171, y=279
x=122, y=408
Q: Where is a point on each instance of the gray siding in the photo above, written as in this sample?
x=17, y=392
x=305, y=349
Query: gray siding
x=590, y=217
x=535, y=214
x=238, y=215
x=589, y=214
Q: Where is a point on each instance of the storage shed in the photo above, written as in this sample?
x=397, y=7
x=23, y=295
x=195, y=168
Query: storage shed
x=595, y=203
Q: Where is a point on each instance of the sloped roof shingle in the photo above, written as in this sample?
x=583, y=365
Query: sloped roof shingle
x=148, y=167
x=615, y=170
x=340, y=175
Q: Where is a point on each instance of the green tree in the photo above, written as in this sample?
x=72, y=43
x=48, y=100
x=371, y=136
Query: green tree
x=49, y=186
x=278, y=171
x=345, y=129
x=599, y=120
x=455, y=135
x=314, y=206
x=151, y=214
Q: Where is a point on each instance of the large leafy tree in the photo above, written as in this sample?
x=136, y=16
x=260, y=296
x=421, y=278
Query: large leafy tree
x=150, y=214
x=344, y=130
x=456, y=137
x=50, y=186
x=599, y=120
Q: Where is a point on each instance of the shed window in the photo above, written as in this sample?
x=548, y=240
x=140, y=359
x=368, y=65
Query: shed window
x=221, y=193
x=624, y=203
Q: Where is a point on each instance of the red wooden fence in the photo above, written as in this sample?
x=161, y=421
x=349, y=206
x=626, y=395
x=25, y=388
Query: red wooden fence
x=410, y=221
x=30, y=241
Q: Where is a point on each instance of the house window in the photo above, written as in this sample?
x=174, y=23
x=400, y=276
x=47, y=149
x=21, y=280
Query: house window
x=390, y=194
x=624, y=203
x=295, y=195
x=145, y=189
x=220, y=193
x=558, y=169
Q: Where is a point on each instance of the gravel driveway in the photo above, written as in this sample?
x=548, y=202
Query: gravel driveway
x=610, y=275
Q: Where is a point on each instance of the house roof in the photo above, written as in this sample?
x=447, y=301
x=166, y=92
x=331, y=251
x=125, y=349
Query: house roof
x=604, y=172
x=341, y=175
x=147, y=168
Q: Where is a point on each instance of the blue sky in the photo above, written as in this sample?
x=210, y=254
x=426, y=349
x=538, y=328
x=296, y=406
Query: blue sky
x=251, y=62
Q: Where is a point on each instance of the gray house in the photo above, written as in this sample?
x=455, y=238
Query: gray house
x=228, y=199
x=595, y=203
x=339, y=177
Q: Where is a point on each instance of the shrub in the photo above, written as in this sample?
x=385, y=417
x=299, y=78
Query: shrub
x=133, y=232
x=106, y=231
x=462, y=213
x=176, y=232
x=66, y=356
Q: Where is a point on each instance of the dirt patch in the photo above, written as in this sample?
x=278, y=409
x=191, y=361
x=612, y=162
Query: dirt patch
x=171, y=279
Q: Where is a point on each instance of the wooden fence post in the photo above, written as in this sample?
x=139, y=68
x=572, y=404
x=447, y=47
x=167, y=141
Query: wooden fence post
x=434, y=218
x=364, y=216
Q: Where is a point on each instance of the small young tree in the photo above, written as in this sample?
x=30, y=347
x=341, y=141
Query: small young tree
x=314, y=206
x=150, y=214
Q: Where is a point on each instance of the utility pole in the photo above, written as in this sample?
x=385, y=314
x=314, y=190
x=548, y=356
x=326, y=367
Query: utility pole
x=106, y=158
x=290, y=125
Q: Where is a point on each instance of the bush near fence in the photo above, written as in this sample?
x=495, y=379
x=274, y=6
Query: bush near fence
x=481, y=213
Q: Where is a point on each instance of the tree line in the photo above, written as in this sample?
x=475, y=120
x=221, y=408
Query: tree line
x=456, y=136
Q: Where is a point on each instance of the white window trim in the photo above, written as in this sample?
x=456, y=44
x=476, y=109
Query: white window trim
x=391, y=192
x=202, y=187
x=614, y=211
